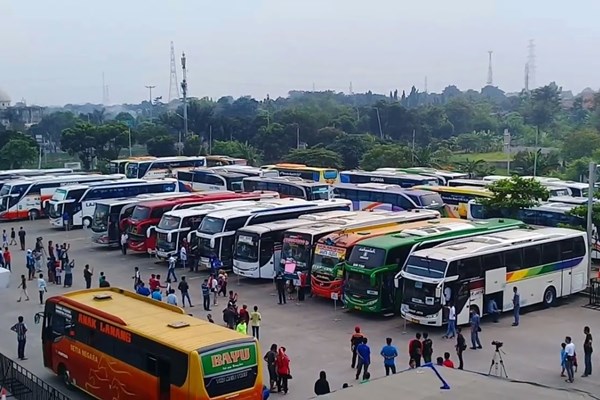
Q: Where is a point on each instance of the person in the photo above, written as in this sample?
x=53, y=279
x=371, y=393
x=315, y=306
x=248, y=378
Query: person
x=242, y=327
x=101, y=278
x=427, y=348
x=222, y=281
x=67, y=267
x=587, y=352
x=21, y=330
x=213, y=286
x=23, y=287
x=142, y=290
x=87, y=276
x=245, y=316
x=265, y=393
x=516, y=305
x=205, y=295
x=184, y=289
x=7, y=258
x=210, y=318
x=447, y=361
x=493, y=310
x=475, y=328
x=171, y=269
x=172, y=297
x=283, y=370
x=233, y=298
x=66, y=220
x=156, y=295
x=22, y=235
x=4, y=238
x=355, y=340
x=563, y=359
x=570, y=352
x=461, y=346
x=439, y=361
x=412, y=364
x=271, y=358
x=415, y=349
x=321, y=384
x=124, y=239
x=51, y=249
x=280, y=285
x=30, y=264
x=229, y=316
x=153, y=282
x=13, y=235
x=137, y=278
x=364, y=358
x=389, y=354
x=183, y=257
x=104, y=284
x=255, y=319
x=451, y=331
x=215, y=264
x=42, y=289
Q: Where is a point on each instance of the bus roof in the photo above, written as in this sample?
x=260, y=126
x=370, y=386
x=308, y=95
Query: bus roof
x=288, y=179
x=554, y=206
x=224, y=173
x=382, y=186
x=468, y=182
x=145, y=198
x=168, y=159
x=459, y=248
x=294, y=166
x=64, y=178
x=150, y=318
x=119, y=182
x=398, y=174
x=456, y=189
x=302, y=220
x=569, y=200
x=276, y=205
x=209, y=208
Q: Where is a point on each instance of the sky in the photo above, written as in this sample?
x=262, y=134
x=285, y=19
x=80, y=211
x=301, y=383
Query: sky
x=55, y=52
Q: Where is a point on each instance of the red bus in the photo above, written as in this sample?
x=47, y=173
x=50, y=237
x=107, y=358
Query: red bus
x=147, y=214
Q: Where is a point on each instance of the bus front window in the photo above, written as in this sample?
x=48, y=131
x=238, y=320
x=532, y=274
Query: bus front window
x=167, y=222
x=367, y=257
x=235, y=185
x=359, y=284
x=320, y=193
x=420, y=293
x=297, y=250
x=132, y=170
x=100, y=219
x=56, y=210
x=246, y=248
x=426, y=267
x=141, y=213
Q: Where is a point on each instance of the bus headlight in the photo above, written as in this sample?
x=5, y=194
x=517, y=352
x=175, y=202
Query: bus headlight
x=404, y=308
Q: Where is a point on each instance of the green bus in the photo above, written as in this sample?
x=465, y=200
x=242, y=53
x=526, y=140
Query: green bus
x=370, y=269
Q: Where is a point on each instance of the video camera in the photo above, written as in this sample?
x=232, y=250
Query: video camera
x=498, y=344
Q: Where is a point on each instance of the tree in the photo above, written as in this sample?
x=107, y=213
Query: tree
x=315, y=157
x=386, y=155
x=513, y=194
x=18, y=152
x=52, y=125
x=460, y=114
x=126, y=118
x=543, y=106
x=192, y=145
x=524, y=162
x=149, y=130
x=110, y=139
x=161, y=146
x=238, y=150
x=80, y=140
x=351, y=148
x=578, y=169
x=471, y=167
x=580, y=144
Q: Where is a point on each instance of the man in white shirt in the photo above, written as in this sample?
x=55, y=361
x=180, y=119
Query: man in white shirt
x=124, y=238
x=42, y=288
x=570, y=354
x=451, y=331
x=172, y=297
x=183, y=256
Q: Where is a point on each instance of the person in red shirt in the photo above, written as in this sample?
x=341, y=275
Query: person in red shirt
x=447, y=361
x=415, y=349
x=244, y=315
x=282, y=364
x=7, y=258
x=153, y=283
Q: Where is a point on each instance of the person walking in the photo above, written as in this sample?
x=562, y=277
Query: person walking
x=563, y=359
x=171, y=269
x=415, y=349
x=280, y=285
x=364, y=358
x=355, y=340
x=389, y=354
x=23, y=287
x=461, y=346
x=222, y=281
x=271, y=359
x=184, y=289
x=283, y=370
x=321, y=384
x=570, y=351
x=205, y=295
x=172, y=297
x=475, y=328
x=87, y=276
x=13, y=236
x=516, y=306
x=137, y=278
x=587, y=352
x=124, y=239
x=4, y=238
x=493, y=310
x=7, y=258
x=42, y=289
x=255, y=319
x=451, y=331
x=427, y=348
x=22, y=235
x=183, y=257
x=21, y=330
x=213, y=286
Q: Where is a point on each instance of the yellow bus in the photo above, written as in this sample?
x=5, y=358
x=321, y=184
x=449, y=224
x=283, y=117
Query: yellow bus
x=317, y=174
x=115, y=344
x=456, y=198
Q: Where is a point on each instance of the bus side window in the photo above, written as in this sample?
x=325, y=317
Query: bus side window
x=492, y=261
x=404, y=203
x=532, y=256
x=59, y=325
x=295, y=191
x=579, y=247
x=550, y=253
x=513, y=260
x=469, y=268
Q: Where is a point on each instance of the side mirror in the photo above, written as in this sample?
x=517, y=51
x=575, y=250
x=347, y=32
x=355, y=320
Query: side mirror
x=149, y=231
x=169, y=237
x=212, y=243
x=438, y=291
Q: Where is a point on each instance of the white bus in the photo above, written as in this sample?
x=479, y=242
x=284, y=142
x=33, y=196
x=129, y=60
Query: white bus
x=402, y=179
x=480, y=183
x=216, y=233
x=442, y=176
x=208, y=179
x=79, y=201
x=162, y=167
x=246, y=170
x=543, y=265
x=28, y=197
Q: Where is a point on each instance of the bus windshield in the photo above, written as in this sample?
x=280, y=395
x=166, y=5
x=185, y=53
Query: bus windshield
x=320, y=193
x=168, y=222
x=140, y=213
x=211, y=225
x=367, y=257
x=357, y=283
x=296, y=248
x=425, y=267
x=59, y=195
x=100, y=221
x=429, y=200
x=246, y=247
x=418, y=292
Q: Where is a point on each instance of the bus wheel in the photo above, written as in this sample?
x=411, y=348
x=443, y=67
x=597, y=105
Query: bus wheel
x=87, y=222
x=550, y=297
x=65, y=376
x=34, y=214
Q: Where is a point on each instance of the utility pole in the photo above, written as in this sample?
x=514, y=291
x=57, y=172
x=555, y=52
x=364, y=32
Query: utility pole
x=150, y=87
x=413, y=148
x=297, y=136
x=184, y=91
x=590, y=206
x=490, y=77
x=535, y=155
x=379, y=122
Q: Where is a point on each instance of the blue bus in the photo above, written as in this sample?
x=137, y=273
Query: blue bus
x=387, y=177
x=378, y=196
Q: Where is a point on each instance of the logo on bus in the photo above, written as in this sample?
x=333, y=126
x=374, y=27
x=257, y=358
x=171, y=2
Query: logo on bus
x=376, y=179
x=228, y=359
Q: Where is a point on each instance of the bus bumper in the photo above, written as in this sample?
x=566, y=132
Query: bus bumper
x=137, y=246
x=101, y=238
x=431, y=320
x=326, y=289
x=165, y=254
x=56, y=222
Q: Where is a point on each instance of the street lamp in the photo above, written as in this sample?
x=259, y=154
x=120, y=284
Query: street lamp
x=150, y=87
x=184, y=90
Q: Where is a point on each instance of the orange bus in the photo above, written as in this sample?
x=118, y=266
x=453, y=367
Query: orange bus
x=115, y=344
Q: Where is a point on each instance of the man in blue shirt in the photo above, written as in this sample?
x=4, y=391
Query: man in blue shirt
x=143, y=290
x=156, y=294
x=206, y=295
x=516, y=306
x=389, y=354
x=364, y=358
x=493, y=310
x=475, y=327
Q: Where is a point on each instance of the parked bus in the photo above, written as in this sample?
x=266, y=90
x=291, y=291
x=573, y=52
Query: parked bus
x=206, y=179
x=26, y=173
x=316, y=174
x=401, y=179
x=114, y=344
x=120, y=166
x=372, y=264
x=441, y=175
x=218, y=161
x=216, y=233
x=479, y=183
x=544, y=264
x=29, y=197
x=288, y=187
x=162, y=167
x=456, y=198
x=378, y=196
x=79, y=201
x=246, y=170
x=549, y=214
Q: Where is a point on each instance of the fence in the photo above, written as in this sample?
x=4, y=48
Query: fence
x=21, y=384
x=594, y=293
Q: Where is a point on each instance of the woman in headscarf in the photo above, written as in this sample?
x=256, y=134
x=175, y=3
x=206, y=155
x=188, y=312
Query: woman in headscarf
x=283, y=370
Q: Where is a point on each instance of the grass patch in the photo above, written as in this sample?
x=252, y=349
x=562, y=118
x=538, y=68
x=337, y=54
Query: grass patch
x=496, y=156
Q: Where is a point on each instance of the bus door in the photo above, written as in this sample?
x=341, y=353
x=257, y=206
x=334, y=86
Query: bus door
x=462, y=294
x=495, y=280
x=388, y=297
x=161, y=368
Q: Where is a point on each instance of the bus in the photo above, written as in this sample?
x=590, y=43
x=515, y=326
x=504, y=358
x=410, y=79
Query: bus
x=480, y=183
x=79, y=201
x=120, y=166
x=246, y=170
x=162, y=167
x=205, y=179
x=216, y=233
x=441, y=175
x=288, y=187
x=25, y=173
x=401, y=179
x=29, y=197
x=114, y=344
x=554, y=188
x=218, y=161
x=544, y=264
x=379, y=196
x=456, y=198
x=316, y=174
x=372, y=265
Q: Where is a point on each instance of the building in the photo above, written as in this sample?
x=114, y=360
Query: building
x=4, y=100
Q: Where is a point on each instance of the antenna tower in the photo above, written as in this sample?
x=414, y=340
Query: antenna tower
x=173, y=84
x=527, y=77
x=531, y=64
x=490, y=77
x=105, y=99
x=350, y=89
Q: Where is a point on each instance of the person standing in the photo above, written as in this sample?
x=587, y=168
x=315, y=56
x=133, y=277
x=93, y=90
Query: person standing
x=184, y=289
x=587, y=352
x=355, y=340
x=66, y=220
x=7, y=258
x=427, y=348
x=321, y=385
x=451, y=331
x=364, y=358
x=171, y=269
x=87, y=276
x=389, y=354
x=245, y=316
x=22, y=235
x=461, y=346
x=137, y=278
x=222, y=281
x=570, y=351
x=415, y=349
x=23, y=287
x=30, y=262
x=205, y=295
x=183, y=257
x=67, y=267
x=213, y=286
x=516, y=305
x=283, y=370
x=271, y=358
x=21, y=330
x=475, y=328
x=493, y=310
x=13, y=236
x=4, y=238
x=255, y=319
x=280, y=285
x=42, y=289
x=242, y=327
x=124, y=239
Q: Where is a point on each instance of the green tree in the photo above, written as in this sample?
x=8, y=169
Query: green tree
x=471, y=167
x=460, y=114
x=18, y=152
x=315, y=157
x=578, y=169
x=52, y=125
x=161, y=146
x=126, y=118
x=80, y=140
x=110, y=139
x=351, y=148
x=148, y=130
x=581, y=143
x=513, y=194
x=524, y=161
x=386, y=155
x=192, y=145
x=238, y=150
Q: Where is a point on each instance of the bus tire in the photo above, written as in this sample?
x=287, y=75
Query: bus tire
x=549, y=299
x=34, y=214
x=65, y=376
x=87, y=222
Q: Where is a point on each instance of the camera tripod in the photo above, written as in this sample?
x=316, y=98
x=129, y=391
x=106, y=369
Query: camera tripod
x=498, y=365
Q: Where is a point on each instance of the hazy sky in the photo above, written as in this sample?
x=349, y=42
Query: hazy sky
x=54, y=52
